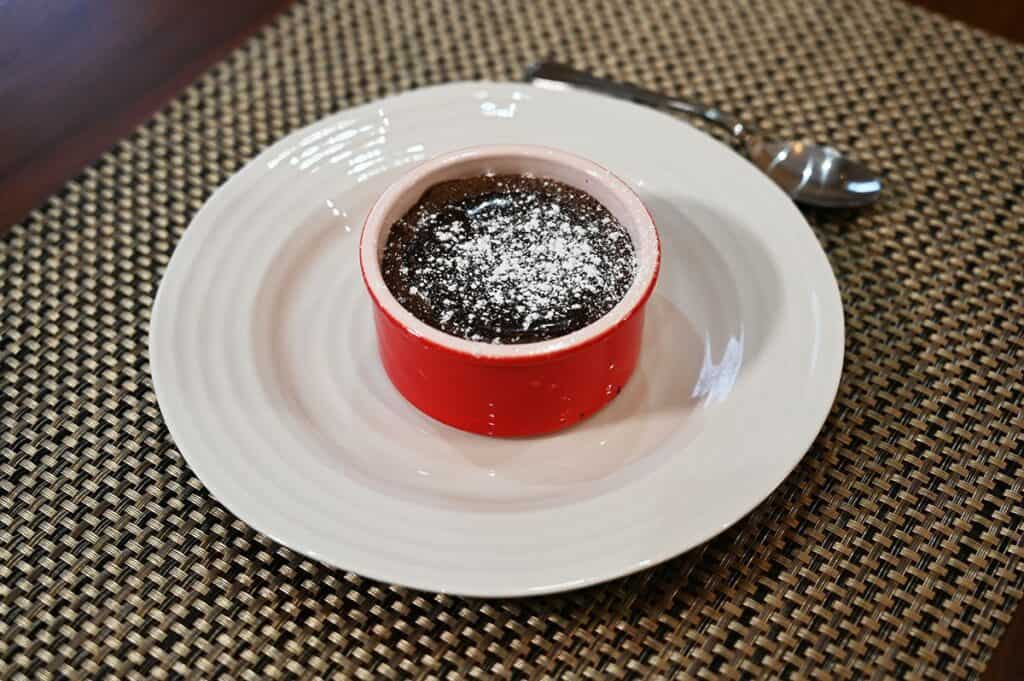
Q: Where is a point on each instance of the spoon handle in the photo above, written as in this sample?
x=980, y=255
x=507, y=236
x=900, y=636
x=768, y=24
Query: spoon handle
x=553, y=71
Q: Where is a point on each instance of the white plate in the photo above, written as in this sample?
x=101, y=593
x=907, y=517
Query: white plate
x=264, y=360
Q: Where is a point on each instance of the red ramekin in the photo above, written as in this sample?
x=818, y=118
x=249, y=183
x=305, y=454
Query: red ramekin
x=510, y=390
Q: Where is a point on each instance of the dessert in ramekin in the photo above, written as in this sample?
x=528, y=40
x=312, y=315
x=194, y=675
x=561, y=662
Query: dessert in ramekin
x=516, y=388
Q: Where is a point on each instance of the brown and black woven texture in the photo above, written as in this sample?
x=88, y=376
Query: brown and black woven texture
x=894, y=549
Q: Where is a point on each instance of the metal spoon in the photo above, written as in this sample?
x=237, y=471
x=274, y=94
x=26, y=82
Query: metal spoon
x=812, y=174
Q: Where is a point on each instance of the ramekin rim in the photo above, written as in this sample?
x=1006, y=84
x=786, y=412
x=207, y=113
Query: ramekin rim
x=634, y=299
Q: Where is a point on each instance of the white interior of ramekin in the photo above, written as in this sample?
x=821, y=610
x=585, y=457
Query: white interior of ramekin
x=538, y=161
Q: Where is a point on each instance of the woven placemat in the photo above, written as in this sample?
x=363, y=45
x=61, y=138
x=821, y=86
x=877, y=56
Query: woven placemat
x=893, y=550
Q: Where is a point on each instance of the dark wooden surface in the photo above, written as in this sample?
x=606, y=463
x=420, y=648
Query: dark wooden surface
x=1002, y=17
x=77, y=75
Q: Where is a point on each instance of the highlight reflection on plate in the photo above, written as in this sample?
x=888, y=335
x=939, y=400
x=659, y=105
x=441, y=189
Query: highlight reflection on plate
x=264, y=361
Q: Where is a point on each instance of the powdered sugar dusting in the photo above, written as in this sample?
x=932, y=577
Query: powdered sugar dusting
x=508, y=259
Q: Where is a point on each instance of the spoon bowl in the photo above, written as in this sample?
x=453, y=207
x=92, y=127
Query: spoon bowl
x=816, y=175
